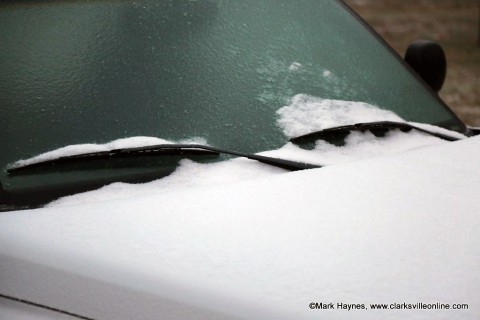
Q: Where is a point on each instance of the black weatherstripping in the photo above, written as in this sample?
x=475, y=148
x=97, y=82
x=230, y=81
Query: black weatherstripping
x=376, y=127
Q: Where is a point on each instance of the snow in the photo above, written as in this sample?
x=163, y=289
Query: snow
x=307, y=114
x=393, y=228
x=440, y=130
x=387, y=220
x=190, y=174
x=357, y=146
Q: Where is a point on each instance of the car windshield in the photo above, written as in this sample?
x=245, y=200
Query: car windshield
x=95, y=71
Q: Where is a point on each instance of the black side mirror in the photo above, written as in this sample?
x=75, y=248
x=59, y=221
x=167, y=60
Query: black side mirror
x=427, y=58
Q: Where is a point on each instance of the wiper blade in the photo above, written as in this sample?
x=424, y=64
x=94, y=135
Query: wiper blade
x=378, y=126
x=165, y=149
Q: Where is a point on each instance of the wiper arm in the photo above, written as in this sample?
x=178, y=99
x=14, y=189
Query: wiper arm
x=378, y=126
x=280, y=163
x=166, y=149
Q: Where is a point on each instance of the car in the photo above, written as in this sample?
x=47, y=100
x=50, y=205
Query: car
x=221, y=159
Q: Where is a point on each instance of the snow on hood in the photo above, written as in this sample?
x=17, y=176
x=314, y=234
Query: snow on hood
x=395, y=229
x=190, y=174
x=388, y=220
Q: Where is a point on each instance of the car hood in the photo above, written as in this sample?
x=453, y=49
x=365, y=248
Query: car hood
x=394, y=229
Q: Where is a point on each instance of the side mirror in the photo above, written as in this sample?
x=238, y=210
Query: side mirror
x=427, y=58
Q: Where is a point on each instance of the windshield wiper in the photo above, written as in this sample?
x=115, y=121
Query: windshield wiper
x=375, y=127
x=166, y=149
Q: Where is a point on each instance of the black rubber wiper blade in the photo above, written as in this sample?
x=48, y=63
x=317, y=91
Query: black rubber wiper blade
x=378, y=126
x=165, y=149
